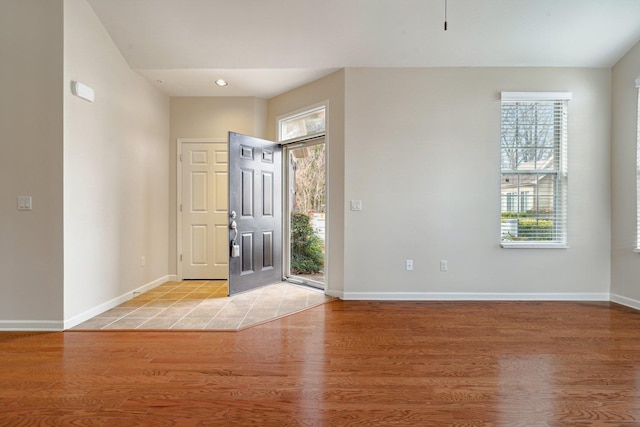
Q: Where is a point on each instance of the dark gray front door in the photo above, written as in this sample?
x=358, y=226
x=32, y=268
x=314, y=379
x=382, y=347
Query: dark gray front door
x=255, y=186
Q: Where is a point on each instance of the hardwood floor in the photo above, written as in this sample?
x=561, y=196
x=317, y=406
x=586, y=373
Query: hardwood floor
x=340, y=364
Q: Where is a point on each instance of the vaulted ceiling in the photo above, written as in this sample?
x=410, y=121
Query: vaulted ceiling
x=266, y=47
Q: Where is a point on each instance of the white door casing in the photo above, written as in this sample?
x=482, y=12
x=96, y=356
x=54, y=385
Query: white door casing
x=203, y=232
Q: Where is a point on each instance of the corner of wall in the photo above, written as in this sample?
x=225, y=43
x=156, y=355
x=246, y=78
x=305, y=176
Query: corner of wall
x=625, y=265
x=31, y=164
x=260, y=118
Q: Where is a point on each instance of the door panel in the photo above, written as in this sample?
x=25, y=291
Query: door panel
x=255, y=195
x=204, y=210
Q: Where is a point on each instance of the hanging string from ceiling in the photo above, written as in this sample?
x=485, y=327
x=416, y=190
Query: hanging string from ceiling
x=445, y=15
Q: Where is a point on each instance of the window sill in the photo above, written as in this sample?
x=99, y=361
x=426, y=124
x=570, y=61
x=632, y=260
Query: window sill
x=637, y=250
x=531, y=245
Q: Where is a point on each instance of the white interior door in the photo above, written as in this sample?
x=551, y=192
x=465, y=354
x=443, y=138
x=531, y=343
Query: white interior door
x=205, y=225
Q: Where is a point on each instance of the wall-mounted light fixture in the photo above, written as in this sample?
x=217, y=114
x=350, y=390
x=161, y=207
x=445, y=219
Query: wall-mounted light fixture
x=83, y=91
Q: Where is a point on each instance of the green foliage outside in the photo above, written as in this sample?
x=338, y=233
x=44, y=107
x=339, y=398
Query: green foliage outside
x=532, y=213
x=530, y=228
x=306, y=246
x=537, y=229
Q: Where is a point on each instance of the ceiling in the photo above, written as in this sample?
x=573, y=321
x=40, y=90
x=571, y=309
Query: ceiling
x=266, y=47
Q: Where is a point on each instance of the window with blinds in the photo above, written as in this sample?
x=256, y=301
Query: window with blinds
x=533, y=166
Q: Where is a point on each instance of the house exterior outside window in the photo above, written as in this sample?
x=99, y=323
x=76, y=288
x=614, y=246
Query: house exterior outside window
x=533, y=166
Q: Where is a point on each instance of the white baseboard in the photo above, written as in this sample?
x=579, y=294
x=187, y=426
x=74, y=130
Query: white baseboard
x=93, y=312
x=53, y=325
x=629, y=302
x=473, y=296
x=32, y=325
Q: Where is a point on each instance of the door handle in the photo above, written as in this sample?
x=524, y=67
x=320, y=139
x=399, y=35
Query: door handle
x=234, y=227
x=235, y=248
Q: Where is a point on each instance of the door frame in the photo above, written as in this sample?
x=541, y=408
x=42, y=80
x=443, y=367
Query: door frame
x=316, y=139
x=179, y=242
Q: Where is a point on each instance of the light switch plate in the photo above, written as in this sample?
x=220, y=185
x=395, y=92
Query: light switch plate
x=24, y=203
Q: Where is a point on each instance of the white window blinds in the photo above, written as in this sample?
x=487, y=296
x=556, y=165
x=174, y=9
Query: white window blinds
x=533, y=166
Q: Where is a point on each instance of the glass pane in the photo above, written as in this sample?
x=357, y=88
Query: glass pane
x=524, y=159
x=545, y=159
x=304, y=124
x=543, y=136
x=534, y=229
x=308, y=214
x=512, y=193
x=528, y=124
x=527, y=207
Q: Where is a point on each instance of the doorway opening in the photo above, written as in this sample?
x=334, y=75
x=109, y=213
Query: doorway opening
x=305, y=212
x=277, y=204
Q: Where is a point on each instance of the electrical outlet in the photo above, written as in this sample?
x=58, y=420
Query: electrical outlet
x=143, y=261
x=444, y=266
x=409, y=264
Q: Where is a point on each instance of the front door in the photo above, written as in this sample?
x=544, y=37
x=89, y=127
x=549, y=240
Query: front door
x=204, y=210
x=255, y=187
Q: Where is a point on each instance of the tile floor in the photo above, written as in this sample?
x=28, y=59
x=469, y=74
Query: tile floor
x=205, y=305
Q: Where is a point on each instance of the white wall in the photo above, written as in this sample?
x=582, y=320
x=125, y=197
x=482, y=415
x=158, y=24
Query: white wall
x=422, y=153
x=625, y=264
x=31, y=67
x=330, y=89
x=116, y=173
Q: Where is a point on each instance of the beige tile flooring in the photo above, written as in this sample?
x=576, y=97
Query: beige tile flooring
x=205, y=305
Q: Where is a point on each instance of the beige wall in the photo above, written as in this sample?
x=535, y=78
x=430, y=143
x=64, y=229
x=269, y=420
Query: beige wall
x=422, y=153
x=116, y=172
x=625, y=263
x=31, y=163
x=207, y=117
x=330, y=89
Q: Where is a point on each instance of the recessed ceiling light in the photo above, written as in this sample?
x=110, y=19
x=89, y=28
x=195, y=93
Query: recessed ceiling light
x=221, y=82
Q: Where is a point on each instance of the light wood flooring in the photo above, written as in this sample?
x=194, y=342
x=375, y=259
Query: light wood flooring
x=193, y=304
x=344, y=363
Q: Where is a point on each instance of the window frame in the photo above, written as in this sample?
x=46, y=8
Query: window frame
x=560, y=181
x=300, y=113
